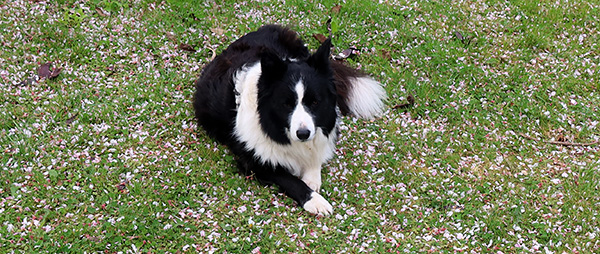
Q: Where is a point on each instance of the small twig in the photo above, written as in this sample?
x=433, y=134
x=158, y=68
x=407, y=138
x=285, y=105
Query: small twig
x=111, y=70
x=558, y=142
x=71, y=119
x=411, y=101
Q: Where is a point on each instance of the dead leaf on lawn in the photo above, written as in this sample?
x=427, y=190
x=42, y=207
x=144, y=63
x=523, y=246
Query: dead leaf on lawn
x=101, y=12
x=410, y=99
x=122, y=187
x=71, y=119
x=466, y=40
x=55, y=72
x=171, y=36
x=186, y=47
x=28, y=81
x=336, y=9
x=45, y=71
x=217, y=30
x=385, y=54
x=459, y=35
x=321, y=38
x=344, y=54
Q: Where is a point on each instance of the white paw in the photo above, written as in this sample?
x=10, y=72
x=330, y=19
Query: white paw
x=318, y=205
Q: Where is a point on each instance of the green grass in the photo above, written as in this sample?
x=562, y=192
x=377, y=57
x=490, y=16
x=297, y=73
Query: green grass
x=107, y=156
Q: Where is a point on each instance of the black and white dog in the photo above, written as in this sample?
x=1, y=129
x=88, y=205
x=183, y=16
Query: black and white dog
x=276, y=107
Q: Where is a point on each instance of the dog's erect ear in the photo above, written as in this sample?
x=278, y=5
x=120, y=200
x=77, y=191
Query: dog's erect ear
x=320, y=59
x=272, y=66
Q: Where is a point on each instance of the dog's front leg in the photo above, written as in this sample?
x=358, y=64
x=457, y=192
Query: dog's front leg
x=297, y=189
x=312, y=178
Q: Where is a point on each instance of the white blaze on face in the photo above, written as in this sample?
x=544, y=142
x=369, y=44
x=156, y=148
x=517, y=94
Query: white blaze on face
x=302, y=127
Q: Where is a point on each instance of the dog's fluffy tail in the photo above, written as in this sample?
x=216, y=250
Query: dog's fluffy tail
x=358, y=94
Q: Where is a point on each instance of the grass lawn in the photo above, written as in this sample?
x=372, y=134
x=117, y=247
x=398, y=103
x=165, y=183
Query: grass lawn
x=497, y=154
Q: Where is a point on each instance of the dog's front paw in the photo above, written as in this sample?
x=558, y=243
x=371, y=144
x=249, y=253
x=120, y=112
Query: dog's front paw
x=318, y=205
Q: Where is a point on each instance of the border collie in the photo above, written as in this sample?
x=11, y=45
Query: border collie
x=276, y=107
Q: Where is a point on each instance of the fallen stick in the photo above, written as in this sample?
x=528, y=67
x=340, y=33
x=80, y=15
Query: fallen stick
x=558, y=142
x=411, y=101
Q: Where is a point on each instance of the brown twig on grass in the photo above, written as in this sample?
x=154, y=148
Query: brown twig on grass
x=561, y=143
x=411, y=101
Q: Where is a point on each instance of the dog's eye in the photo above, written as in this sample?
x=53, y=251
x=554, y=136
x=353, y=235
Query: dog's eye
x=313, y=104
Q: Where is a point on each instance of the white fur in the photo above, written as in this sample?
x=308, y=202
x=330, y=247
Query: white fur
x=300, y=118
x=318, y=205
x=312, y=178
x=298, y=157
x=367, y=98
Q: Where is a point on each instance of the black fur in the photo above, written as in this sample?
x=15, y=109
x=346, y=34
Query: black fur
x=284, y=61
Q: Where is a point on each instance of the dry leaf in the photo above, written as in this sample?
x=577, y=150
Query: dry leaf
x=28, y=81
x=344, y=54
x=122, y=187
x=465, y=39
x=44, y=70
x=55, y=73
x=561, y=138
x=171, y=36
x=101, y=12
x=459, y=35
x=321, y=38
x=336, y=9
x=410, y=99
x=217, y=30
x=186, y=47
x=385, y=54
x=71, y=119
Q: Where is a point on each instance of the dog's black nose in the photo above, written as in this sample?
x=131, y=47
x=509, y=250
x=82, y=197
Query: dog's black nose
x=303, y=134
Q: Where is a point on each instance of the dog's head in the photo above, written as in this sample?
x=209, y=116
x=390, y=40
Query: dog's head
x=297, y=97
